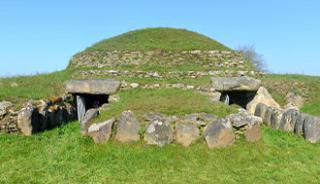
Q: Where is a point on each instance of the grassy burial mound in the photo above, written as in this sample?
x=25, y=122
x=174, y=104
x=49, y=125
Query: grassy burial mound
x=166, y=71
x=160, y=49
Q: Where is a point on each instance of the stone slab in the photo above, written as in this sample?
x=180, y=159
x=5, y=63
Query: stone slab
x=94, y=87
x=235, y=83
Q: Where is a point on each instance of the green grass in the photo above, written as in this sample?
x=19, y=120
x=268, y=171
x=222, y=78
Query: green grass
x=20, y=89
x=63, y=156
x=167, y=101
x=158, y=38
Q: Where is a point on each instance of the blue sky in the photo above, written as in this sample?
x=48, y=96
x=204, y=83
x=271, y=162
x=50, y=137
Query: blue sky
x=41, y=36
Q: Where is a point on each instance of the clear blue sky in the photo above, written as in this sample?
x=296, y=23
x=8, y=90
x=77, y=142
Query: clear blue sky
x=41, y=36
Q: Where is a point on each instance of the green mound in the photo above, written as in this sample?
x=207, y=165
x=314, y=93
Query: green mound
x=158, y=38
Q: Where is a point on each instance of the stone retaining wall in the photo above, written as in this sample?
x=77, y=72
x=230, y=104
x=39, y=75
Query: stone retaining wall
x=185, y=130
x=290, y=120
x=212, y=58
x=159, y=75
x=37, y=116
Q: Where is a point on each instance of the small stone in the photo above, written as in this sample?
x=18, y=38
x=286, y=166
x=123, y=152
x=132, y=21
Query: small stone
x=26, y=120
x=101, y=132
x=253, y=133
x=134, y=85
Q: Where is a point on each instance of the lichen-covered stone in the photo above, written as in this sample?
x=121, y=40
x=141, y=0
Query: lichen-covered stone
x=158, y=133
x=101, y=132
x=312, y=129
x=235, y=83
x=288, y=120
x=102, y=86
x=219, y=134
x=187, y=133
x=127, y=127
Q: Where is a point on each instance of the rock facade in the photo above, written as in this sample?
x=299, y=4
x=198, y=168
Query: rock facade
x=262, y=96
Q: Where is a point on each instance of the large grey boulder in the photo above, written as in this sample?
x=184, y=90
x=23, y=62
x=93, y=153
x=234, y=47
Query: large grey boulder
x=101, y=132
x=127, y=127
x=262, y=96
x=86, y=120
x=187, y=133
x=27, y=118
x=102, y=86
x=312, y=129
x=288, y=120
x=235, y=83
x=158, y=133
x=219, y=134
x=4, y=105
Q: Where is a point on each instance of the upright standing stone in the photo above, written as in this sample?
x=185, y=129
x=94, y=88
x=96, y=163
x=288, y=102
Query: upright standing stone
x=289, y=119
x=219, y=134
x=302, y=118
x=187, y=133
x=276, y=118
x=262, y=96
x=253, y=133
x=312, y=129
x=127, y=127
x=158, y=133
x=101, y=132
x=86, y=120
x=81, y=107
x=26, y=120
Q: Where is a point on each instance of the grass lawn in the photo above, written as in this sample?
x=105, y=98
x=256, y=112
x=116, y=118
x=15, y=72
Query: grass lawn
x=63, y=156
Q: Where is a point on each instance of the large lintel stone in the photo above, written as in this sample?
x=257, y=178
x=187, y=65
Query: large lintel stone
x=95, y=87
x=235, y=83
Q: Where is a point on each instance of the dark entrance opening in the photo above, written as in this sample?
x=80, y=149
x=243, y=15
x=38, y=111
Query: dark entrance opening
x=241, y=98
x=89, y=101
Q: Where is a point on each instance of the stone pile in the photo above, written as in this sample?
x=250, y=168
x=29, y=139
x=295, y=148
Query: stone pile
x=161, y=130
x=290, y=120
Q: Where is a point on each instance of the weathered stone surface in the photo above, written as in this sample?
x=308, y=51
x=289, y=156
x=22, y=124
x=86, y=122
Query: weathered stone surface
x=127, y=127
x=4, y=105
x=253, y=133
x=101, y=132
x=154, y=116
x=276, y=117
x=86, y=120
x=26, y=119
x=207, y=117
x=105, y=86
x=243, y=119
x=158, y=133
x=267, y=116
x=312, y=129
x=219, y=134
x=264, y=97
x=235, y=83
x=302, y=118
x=186, y=134
x=288, y=120
x=260, y=110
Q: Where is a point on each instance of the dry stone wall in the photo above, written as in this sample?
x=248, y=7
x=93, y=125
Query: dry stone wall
x=37, y=116
x=211, y=58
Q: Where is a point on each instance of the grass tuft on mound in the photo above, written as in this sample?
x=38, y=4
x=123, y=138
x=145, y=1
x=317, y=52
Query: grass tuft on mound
x=158, y=38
